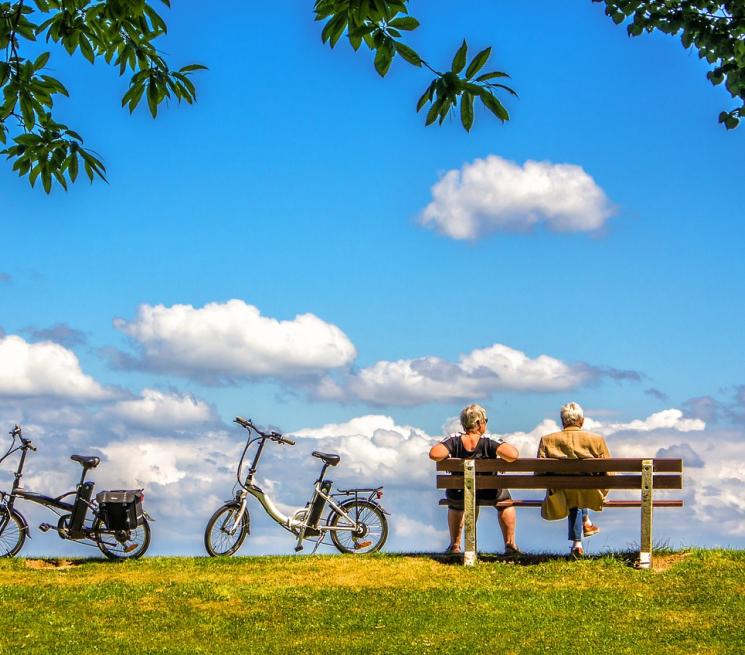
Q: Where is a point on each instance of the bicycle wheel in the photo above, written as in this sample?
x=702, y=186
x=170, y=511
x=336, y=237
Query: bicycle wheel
x=122, y=544
x=226, y=530
x=372, y=527
x=13, y=535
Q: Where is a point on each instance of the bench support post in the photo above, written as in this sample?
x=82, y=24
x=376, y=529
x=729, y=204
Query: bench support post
x=645, y=547
x=469, y=509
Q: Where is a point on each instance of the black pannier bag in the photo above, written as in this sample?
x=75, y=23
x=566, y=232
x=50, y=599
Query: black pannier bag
x=121, y=509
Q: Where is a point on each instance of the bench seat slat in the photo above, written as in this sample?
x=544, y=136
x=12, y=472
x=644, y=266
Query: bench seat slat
x=607, y=503
x=615, y=465
x=559, y=482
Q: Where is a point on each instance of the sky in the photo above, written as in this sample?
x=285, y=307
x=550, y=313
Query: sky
x=299, y=249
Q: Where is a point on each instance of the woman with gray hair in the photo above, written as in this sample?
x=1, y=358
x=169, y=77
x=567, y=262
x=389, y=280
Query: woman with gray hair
x=473, y=444
x=573, y=443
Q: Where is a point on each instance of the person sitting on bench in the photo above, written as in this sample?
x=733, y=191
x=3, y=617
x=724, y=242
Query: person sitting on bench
x=472, y=444
x=573, y=443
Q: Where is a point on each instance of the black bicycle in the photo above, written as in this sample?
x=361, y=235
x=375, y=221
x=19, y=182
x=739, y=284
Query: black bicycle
x=355, y=522
x=116, y=524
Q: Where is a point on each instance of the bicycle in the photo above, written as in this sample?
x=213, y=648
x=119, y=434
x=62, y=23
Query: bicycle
x=356, y=525
x=118, y=526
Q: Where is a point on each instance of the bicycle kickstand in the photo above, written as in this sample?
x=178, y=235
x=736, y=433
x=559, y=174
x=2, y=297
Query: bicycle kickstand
x=319, y=541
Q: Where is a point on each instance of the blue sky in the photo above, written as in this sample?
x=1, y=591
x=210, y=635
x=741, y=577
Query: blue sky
x=296, y=185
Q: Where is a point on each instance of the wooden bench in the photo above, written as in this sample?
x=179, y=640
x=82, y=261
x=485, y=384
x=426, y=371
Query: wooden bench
x=645, y=475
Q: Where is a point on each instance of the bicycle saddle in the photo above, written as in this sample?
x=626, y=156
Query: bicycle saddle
x=86, y=462
x=328, y=458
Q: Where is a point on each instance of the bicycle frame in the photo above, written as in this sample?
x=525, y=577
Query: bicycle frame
x=56, y=504
x=300, y=526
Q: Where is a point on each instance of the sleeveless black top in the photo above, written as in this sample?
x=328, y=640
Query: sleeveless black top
x=486, y=448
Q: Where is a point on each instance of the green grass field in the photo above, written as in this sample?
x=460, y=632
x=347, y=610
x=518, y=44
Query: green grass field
x=694, y=602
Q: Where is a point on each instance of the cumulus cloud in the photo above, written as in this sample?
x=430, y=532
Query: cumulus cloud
x=670, y=419
x=44, y=369
x=475, y=375
x=497, y=195
x=682, y=451
x=162, y=410
x=187, y=477
x=220, y=342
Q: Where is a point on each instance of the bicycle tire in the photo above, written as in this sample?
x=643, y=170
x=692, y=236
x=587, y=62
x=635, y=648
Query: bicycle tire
x=370, y=538
x=122, y=544
x=223, y=543
x=13, y=535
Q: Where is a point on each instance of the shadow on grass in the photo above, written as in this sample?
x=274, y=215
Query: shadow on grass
x=627, y=558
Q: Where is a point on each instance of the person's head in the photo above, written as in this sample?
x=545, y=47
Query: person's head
x=473, y=417
x=572, y=415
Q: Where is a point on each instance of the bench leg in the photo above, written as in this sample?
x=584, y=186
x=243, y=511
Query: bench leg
x=469, y=509
x=645, y=547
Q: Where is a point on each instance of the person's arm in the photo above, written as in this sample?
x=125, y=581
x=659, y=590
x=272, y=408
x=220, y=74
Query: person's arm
x=438, y=452
x=507, y=452
x=541, y=449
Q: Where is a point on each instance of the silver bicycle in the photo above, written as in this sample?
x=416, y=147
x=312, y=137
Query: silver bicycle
x=355, y=523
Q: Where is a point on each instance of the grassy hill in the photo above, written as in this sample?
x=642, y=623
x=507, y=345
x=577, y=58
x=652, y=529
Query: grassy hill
x=693, y=603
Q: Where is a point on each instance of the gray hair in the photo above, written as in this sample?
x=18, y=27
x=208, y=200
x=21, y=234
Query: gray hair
x=471, y=415
x=572, y=414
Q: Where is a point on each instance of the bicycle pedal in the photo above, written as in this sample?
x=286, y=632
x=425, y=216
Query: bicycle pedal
x=362, y=544
x=45, y=527
x=130, y=548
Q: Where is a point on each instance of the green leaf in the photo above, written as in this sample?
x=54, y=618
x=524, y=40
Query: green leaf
x=383, y=58
x=426, y=96
x=466, y=111
x=192, y=67
x=434, y=110
x=72, y=167
x=27, y=110
x=40, y=61
x=494, y=106
x=86, y=49
x=459, y=61
x=408, y=53
x=477, y=63
x=152, y=97
x=46, y=180
x=490, y=76
x=407, y=23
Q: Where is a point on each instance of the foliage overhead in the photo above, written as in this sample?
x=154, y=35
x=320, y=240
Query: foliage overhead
x=380, y=24
x=121, y=32
x=715, y=29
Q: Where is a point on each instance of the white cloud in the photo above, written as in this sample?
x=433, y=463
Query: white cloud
x=233, y=339
x=415, y=531
x=368, y=426
x=493, y=194
x=149, y=460
x=157, y=409
x=44, y=369
x=187, y=478
x=475, y=375
x=666, y=419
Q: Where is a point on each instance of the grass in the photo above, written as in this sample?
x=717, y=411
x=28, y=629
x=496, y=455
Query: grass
x=694, y=602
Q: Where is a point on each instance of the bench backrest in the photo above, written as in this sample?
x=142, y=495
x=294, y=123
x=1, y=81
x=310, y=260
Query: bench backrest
x=529, y=473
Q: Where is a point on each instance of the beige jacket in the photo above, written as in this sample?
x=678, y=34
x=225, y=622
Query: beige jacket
x=572, y=443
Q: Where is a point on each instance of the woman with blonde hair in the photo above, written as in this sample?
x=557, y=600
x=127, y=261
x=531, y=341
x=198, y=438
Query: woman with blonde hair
x=473, y=443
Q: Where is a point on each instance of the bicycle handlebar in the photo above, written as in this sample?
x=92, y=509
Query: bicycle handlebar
x=274, y=436
x=25, y=443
